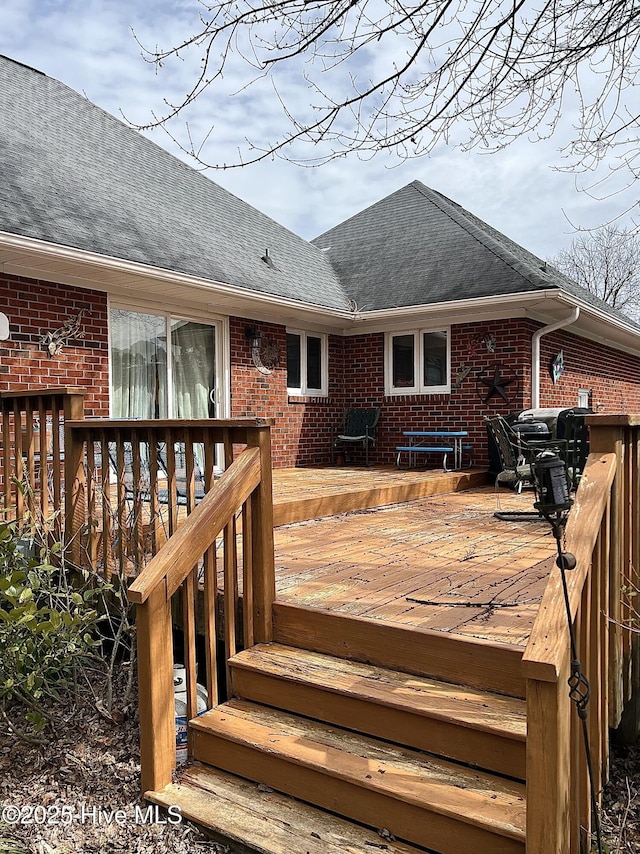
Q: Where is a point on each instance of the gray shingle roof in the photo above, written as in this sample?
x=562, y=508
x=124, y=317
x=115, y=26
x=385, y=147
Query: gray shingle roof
x=416, y=247
x=74, y=175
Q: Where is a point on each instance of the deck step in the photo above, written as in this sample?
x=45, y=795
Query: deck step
x=447, y=656
x=420, y=799
x=472, y=726
x=254, y=818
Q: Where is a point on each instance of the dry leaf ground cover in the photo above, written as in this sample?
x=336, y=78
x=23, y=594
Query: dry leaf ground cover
x=84, y=788
x=90, y=769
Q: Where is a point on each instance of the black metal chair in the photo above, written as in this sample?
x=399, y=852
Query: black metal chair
x=516, y=456
x=573, y=428
x=358, y=428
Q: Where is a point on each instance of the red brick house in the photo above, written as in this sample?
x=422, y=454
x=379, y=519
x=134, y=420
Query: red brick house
x=183, y=301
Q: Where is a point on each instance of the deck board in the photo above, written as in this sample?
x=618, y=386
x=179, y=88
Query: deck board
x=475, y=575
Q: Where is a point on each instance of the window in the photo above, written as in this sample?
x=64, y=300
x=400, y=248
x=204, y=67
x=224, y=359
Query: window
x=307, y=360
x=418, y=362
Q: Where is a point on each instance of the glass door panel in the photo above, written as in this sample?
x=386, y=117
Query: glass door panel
x=138, y=365
x=193, y=369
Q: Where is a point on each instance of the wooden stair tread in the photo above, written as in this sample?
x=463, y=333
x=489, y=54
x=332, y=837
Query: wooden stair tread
x=470, y=707
x=257, y=819
x=477, y=798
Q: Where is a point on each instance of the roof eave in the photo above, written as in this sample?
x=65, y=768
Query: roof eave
x=544, y=306
x=119, y=277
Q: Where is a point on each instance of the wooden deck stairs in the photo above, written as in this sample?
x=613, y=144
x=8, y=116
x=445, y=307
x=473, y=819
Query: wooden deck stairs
x=421, y=762
x=331, y=733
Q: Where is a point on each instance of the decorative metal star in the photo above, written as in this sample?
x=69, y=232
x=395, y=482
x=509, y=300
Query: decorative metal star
x=496, y=383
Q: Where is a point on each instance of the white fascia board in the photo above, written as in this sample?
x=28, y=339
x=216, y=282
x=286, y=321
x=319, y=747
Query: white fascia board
x=545, y=306
x=83, y=269
x=451, y=312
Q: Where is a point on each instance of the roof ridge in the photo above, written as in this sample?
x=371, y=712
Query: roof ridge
x=474, y=227
x=23, y=64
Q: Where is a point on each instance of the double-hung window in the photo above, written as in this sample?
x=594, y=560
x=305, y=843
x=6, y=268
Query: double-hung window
x=307, y=369
x=418, y=361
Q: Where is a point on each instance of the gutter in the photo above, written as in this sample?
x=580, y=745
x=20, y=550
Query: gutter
x=535, y=352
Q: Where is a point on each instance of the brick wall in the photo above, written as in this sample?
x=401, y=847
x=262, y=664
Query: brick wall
x=301, y=435
x=613, y=377
x=303, y=426
x=463, y=408
x=35, y=308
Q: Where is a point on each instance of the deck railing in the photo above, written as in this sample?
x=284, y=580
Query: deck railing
x=192, y=545
x=602, y=533
x=123, y=509
x=32, y=451
x=240, y=499
x=130, y=483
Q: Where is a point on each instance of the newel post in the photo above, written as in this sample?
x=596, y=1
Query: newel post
x=549, y=814
x=620, y=434
x=74, y=477
x=264, y=581
x=155, y=688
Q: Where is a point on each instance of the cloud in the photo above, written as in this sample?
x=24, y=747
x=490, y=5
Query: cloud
x=88, y=44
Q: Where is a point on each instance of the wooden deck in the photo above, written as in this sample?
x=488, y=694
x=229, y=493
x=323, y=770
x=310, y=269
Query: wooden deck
x=442, y=562
x=306, y=493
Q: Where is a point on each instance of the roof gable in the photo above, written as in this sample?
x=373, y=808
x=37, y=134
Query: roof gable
x=417, y=247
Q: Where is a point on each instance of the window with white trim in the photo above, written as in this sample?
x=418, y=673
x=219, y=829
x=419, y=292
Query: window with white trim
x=307, y=363
x=418, y=361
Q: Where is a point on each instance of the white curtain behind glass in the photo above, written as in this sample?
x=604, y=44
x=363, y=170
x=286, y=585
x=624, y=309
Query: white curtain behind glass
x=138, y=365
x=193, y=369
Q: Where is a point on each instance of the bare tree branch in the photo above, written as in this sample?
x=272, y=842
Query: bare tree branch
x=399, y=75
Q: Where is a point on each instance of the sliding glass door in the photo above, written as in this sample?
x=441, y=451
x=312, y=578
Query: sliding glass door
x=162, y=366
x=193, y=361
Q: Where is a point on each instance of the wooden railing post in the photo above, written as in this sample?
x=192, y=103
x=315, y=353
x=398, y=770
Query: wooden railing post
x=155, y=684
x=74, y=493
x=558, y=793
x=621, y=434
x=548, y=766
x=264, y=583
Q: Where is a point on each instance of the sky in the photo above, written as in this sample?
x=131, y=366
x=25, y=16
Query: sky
x=89, y=45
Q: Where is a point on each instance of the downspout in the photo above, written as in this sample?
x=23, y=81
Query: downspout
x=535, y=352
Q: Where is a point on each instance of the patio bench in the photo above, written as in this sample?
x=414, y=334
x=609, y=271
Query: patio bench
x=433, y=442
x=423, y=449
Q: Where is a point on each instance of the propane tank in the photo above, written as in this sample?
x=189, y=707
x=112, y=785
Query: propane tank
x=180, y=700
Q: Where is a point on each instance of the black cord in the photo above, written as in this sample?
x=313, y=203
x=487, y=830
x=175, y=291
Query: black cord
x=579, y=689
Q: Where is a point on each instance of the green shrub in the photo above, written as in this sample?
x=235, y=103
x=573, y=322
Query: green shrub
x=46, y=629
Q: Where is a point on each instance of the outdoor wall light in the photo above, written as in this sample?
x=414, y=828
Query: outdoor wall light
x=253, y=335
x=265, y=352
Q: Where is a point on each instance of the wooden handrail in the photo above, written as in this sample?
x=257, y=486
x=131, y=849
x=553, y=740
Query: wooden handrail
x=546, y=649
x=177, y=558
x=189, y=563
x=558, y=794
